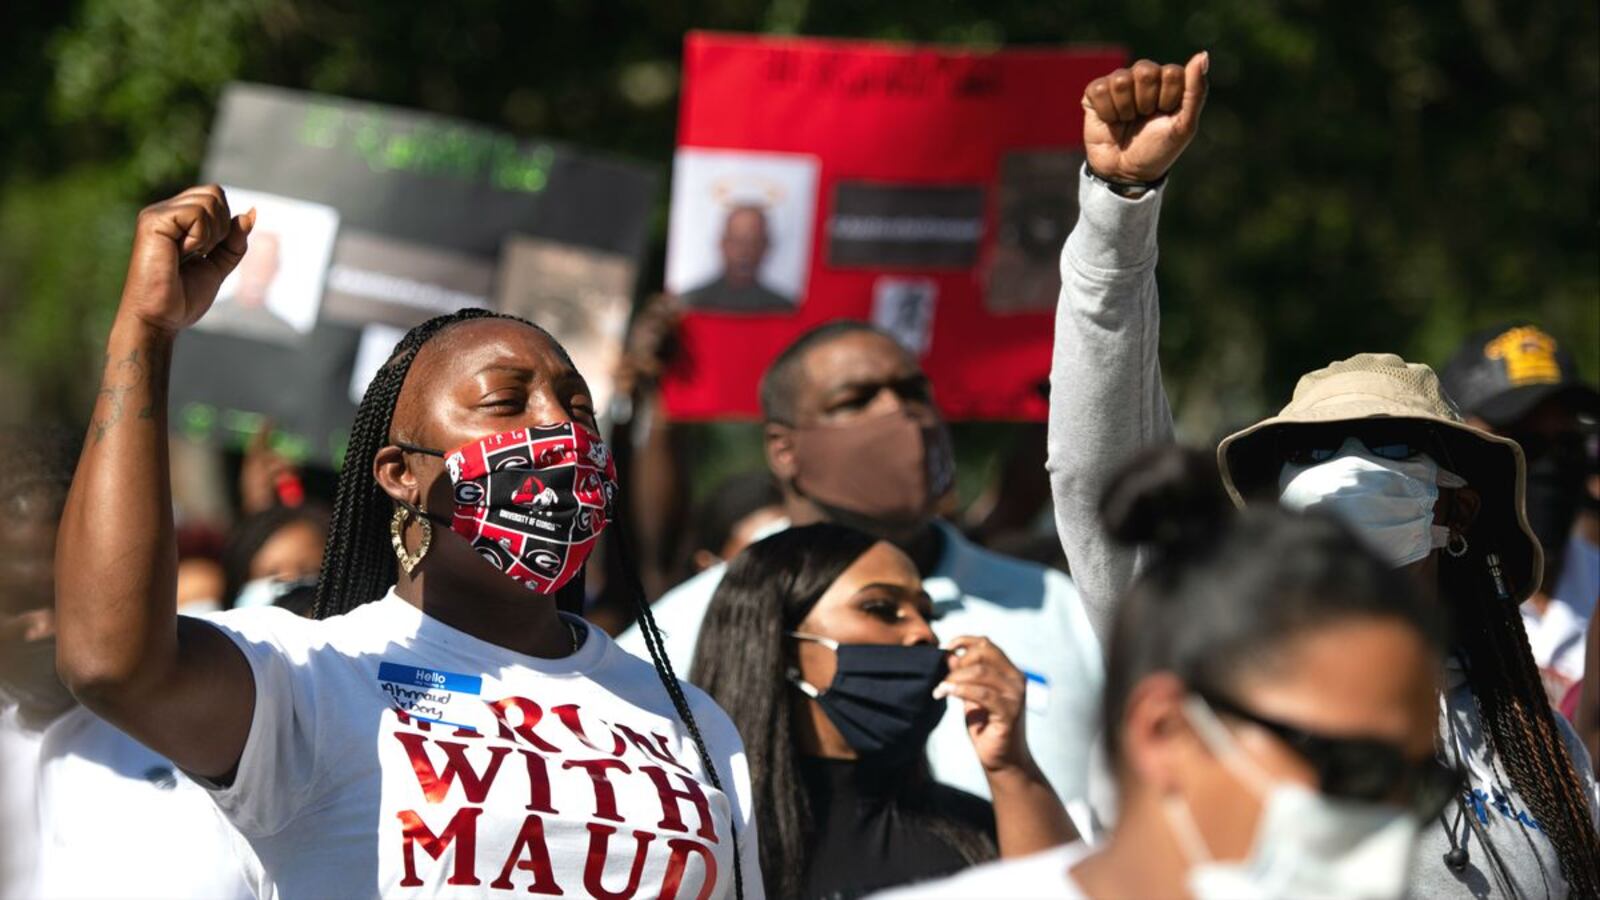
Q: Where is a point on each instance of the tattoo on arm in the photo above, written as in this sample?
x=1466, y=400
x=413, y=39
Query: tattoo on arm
x=132, y=373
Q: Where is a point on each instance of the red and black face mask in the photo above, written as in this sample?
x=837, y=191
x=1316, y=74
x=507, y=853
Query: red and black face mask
x=532, y=501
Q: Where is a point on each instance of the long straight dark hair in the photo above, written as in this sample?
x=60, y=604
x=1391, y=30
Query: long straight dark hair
x=741, y=660
x=358, y=564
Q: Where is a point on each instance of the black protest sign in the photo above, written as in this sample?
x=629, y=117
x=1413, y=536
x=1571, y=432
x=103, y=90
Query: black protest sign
x=371, y=215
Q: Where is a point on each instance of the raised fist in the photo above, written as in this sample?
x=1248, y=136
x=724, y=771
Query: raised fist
x=182, y=250
x=1137, y=121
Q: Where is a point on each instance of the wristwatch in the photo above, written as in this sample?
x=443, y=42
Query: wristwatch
x=1129, y=190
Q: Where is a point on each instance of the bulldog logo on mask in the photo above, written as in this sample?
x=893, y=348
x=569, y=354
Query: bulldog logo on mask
x=533, y=501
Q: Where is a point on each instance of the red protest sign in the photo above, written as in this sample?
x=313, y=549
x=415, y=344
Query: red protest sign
x=927, y=190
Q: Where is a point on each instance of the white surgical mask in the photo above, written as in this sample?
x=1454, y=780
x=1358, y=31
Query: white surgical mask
x=1306, y=845
x=266, y=591
x=1388, y=502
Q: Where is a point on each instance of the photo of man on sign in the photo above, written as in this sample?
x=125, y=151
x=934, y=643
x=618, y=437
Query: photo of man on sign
x=741, y=230
x=745, y=241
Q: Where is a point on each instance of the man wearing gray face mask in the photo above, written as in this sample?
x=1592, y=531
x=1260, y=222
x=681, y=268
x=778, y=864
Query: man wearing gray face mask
x=853, y=436
x=1371, y=439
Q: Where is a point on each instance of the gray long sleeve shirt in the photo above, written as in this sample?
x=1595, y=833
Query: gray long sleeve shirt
x=1107, y=403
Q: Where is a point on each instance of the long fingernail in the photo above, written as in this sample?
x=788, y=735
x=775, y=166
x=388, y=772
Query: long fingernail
x=1205, y=62
x=941, y=691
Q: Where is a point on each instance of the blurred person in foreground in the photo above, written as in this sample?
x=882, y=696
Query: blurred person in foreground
x=853, y=436
x=818, y=645
x=1372, y=440
x=72, y=783
x=1517, y=381
x=1269, y=711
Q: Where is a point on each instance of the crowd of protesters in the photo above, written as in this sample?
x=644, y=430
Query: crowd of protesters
x=1350, y=651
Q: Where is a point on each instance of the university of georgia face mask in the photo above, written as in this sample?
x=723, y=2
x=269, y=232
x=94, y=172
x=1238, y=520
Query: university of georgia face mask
x=881, y=697
x=532, y=501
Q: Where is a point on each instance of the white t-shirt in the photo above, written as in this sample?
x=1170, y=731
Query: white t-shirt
x=1032, y=613
x=19, y=824
x=1041, y=876
x=117, y=819
x=390, y=754
x=1557, y=637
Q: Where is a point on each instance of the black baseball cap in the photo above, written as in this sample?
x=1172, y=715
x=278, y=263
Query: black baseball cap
x=1500, y=374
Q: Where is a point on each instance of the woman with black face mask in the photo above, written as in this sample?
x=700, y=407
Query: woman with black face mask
x=443, y=728
x=817, y=644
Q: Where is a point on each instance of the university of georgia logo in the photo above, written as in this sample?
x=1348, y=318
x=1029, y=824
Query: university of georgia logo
x=469, y=493
x=545, y=562
x=598, y=455
x=530, y=491
x=498, y=554
x=511, y=462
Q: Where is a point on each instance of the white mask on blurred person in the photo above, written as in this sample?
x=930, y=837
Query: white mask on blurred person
x=266, y=591
x=1388, y=502
x=1306, y=845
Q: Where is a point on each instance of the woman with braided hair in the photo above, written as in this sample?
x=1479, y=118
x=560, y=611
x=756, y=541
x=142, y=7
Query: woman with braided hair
x=1370, y=439
x=441, y=728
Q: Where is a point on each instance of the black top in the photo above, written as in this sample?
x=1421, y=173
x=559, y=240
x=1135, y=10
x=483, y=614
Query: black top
x=866, y=840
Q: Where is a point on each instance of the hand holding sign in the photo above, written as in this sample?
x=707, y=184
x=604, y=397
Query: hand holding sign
x=182, y=250
x=1137, y=121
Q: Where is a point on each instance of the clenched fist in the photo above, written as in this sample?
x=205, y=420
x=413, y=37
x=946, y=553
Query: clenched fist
x=182, y=250
x=1137, y=121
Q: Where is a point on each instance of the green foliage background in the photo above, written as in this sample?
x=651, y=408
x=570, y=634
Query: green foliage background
x=1370, y=175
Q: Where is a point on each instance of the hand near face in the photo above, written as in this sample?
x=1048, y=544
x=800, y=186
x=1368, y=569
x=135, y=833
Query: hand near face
x=1137, y=121
x=993, y=693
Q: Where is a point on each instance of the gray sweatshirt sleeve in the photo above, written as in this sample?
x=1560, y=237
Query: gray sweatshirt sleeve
x=1106, y=398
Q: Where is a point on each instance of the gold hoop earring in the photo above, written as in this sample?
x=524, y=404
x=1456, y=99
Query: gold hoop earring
x=397, y=528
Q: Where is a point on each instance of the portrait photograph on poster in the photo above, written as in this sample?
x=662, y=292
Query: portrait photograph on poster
x=276, y=290
x=1038, y=207
x=740, y=230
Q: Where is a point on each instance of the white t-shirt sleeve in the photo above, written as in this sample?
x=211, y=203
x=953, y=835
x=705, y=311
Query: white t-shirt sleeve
x=1041, y=876
x=278, y=770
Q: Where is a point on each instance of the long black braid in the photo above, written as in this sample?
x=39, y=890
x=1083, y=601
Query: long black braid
x=1520, y=724
x=358, y=563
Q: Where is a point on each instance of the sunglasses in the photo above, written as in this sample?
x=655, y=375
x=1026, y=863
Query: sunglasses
x=1396, y=441
x=1360, y=769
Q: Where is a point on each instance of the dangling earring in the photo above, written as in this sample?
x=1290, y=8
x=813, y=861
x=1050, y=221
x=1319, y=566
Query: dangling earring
x=1457, y=545
x=397, y=528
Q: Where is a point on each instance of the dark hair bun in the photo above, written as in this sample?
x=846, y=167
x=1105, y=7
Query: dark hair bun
x=1168, y=496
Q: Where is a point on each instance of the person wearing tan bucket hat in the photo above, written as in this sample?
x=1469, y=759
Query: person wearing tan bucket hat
x=1395, y=409
x=1371, y=440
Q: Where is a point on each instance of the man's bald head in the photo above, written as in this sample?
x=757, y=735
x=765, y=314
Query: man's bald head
x=745, y=239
